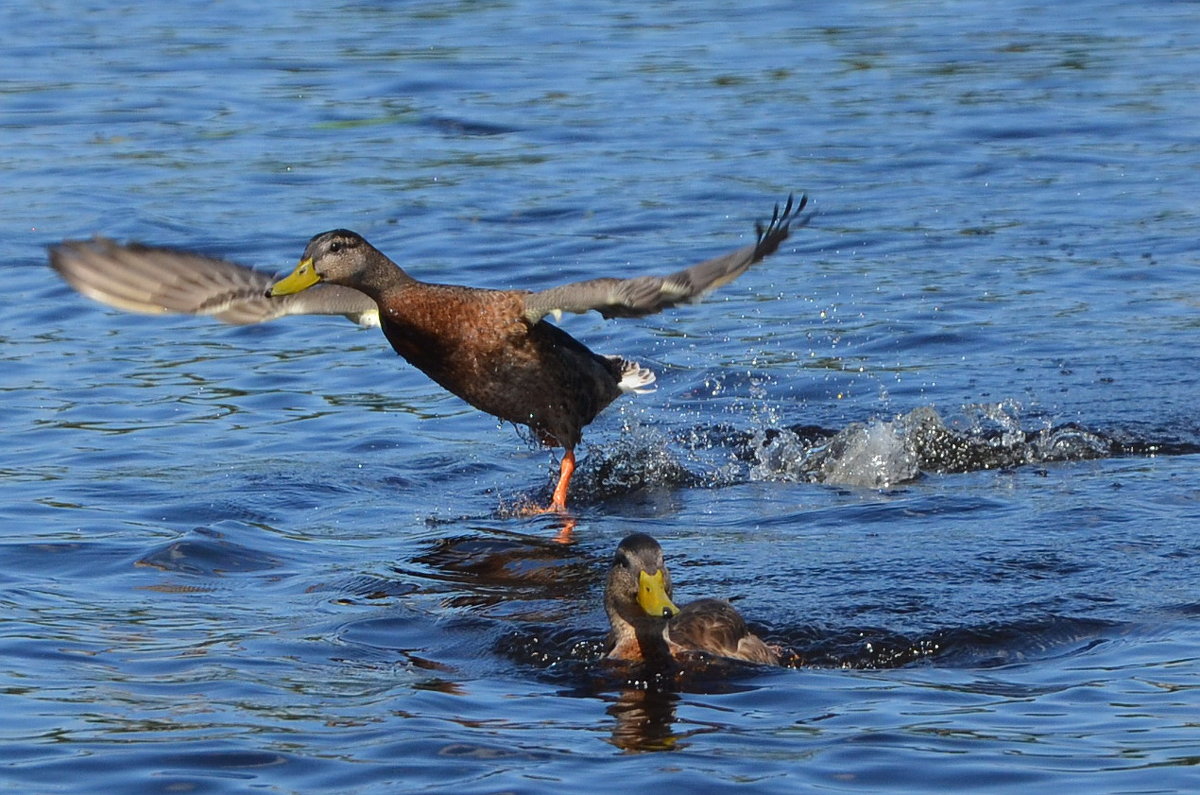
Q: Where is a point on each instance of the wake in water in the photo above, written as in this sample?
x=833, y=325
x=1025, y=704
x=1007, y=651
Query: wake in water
x=875, y=454
x=865, y=648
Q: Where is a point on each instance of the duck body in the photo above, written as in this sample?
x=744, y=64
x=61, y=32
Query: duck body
x=716, y=627
x=478, y=345
x=647, y=627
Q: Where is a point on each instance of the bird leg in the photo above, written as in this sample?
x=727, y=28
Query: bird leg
x=558, y=503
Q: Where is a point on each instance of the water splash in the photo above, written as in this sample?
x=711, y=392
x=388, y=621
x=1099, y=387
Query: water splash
x=640, y=459
x=883, y=453
x=874, y=456
x=877, y=454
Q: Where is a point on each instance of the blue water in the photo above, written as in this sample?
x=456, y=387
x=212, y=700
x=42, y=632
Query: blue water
x=942, y=448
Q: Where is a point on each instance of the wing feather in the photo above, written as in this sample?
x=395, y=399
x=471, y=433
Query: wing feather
x=646, y=295
x=156, y=281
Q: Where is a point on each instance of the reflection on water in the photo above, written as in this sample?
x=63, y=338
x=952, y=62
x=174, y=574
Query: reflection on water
x=502, y=567
x=644, y=720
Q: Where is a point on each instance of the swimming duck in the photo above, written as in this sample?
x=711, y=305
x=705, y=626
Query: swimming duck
x=492, y=348
x=646, y=626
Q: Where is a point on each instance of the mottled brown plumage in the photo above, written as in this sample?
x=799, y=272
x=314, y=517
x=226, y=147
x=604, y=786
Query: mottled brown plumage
x=478, y=345
x=492, y=348
x=646, y=626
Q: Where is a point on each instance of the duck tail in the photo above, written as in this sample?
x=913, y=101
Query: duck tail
x=634, y=379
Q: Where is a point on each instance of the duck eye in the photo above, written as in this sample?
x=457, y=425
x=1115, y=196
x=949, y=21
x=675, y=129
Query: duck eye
x=621, y=560
x=335, y=247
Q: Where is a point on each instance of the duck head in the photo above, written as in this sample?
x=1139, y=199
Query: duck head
x=338, y=256
x=639, y=584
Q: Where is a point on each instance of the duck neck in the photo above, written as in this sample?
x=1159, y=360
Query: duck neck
x=637, y=637
x=381, y=276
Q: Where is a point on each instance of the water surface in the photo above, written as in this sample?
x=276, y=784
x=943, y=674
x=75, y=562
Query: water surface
x=941, y=448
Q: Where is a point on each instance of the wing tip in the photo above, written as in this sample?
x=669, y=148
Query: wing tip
x=777, y=230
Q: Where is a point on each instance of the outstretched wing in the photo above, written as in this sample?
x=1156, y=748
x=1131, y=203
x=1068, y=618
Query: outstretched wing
x=156, y=281
x=645, y=295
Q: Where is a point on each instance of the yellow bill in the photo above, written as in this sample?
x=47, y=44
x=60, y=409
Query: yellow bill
x=652, y=595
x=302, y=278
